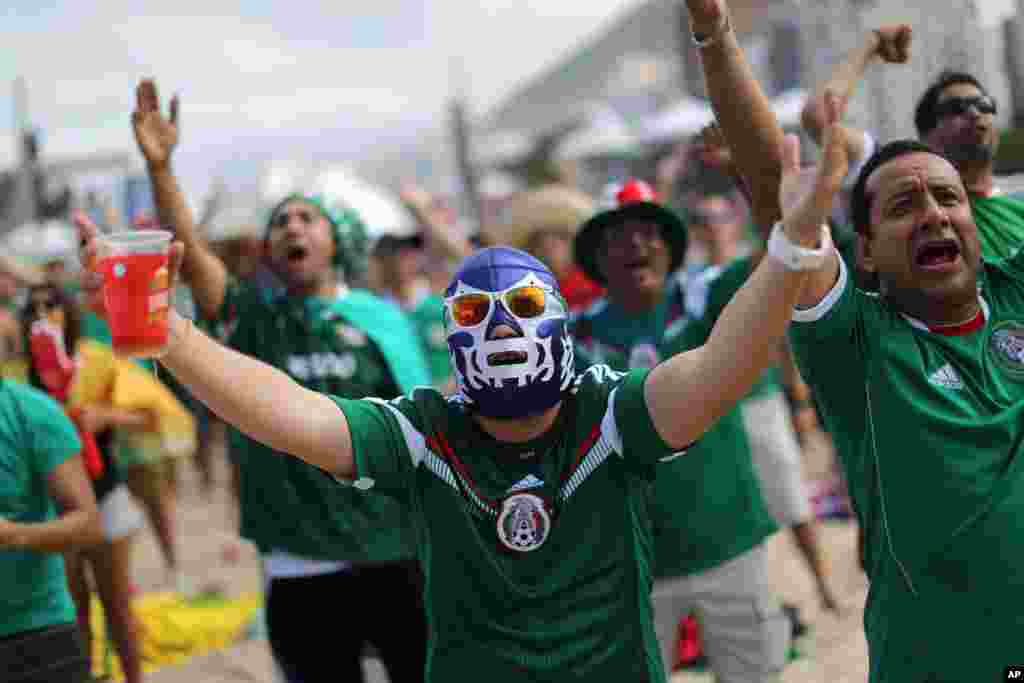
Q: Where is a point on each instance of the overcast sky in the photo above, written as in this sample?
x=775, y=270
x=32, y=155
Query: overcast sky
x=283, y=79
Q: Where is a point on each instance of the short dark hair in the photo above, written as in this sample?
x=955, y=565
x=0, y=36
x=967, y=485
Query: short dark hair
x=924, y=115
x=860, y=200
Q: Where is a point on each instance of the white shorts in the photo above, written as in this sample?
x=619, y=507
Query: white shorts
x=744, y=631
x=120, y=515
x=777, y=458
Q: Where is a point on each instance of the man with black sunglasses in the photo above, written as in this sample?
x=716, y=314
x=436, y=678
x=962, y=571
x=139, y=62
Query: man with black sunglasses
x=955, y=116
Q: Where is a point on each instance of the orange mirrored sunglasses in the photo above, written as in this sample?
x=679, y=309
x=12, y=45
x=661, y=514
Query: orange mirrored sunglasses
x=468, y=310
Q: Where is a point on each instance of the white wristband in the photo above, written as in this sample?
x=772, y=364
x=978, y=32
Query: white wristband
x=795, y=257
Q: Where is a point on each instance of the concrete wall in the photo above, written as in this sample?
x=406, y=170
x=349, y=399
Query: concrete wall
x=948, y=34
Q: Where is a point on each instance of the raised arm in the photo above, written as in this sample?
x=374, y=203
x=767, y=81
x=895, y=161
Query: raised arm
x=888, y=43
x=157, y=137
x=687, y=393
x=261, y=401
x=744, y=114
x=257, y=399
x=443, y=239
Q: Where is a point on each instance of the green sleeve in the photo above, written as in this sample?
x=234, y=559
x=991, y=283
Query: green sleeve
x=829, y=345
x=1013, y=264
x=386, y=445
x=638, y=440
x=52, y=437
x=237, y=297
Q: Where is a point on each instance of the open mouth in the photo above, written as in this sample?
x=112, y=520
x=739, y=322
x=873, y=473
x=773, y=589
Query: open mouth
x=937, y=254
x=296, y=253
x=506, y=358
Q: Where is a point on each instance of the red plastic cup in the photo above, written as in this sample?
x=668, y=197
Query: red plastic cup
x=136, y=290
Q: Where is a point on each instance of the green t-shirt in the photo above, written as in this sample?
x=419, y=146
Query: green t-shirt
x=427, y=318
x=721, y=285
x=35, y=437
x=576, y=607
x=929, y=428
x=286, y=504
x=1000, y=221
x=707, y=507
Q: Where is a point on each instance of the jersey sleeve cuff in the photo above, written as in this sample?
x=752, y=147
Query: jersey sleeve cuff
x=630, y=408
x=821, y=309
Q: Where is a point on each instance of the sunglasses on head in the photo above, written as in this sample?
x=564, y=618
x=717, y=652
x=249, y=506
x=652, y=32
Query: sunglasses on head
x=525, y=303
x=282, y=219
x=957, y=106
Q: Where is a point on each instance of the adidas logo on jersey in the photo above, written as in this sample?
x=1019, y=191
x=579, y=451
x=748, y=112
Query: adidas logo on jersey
x=527, y=482
x=946, y=377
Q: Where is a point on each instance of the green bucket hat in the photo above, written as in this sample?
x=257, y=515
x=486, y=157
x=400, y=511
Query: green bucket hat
x=635, y=200
x=351, y=239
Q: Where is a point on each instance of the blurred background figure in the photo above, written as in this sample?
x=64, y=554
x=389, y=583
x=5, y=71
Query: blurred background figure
x=398, y=271
x=544, y=223
x=51, y=324
x=47, y=508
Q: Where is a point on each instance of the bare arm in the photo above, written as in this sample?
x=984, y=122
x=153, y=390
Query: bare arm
x=890, y=43
x=261, y=401
x=78, y=525
x=687, y=393
x=156, y=138
x=96, y=417
x=744, y=114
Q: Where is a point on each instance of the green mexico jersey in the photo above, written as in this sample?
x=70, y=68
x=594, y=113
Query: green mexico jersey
x=721, y=285
x=35, y=437
x=929, y=427
x=536, y=555
x=286, y=504
x=707, y=507
x=1000, y=220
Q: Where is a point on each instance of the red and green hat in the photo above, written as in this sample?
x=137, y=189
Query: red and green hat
x=635, y=200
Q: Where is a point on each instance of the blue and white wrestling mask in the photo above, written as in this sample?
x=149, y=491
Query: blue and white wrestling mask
x=519, y=375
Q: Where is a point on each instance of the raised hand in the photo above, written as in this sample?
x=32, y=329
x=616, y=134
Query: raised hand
x=707, y=17
x=416, y=198
x=89, y=255
x=806, y=195
x=713, y=149
x=155, y=135
x=894, y=43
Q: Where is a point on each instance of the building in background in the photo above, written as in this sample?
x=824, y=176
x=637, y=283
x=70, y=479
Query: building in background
x=644, y=61
x=948, y=34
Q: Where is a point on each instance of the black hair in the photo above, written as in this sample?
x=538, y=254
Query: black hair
x=924, y=115
x=860, y=200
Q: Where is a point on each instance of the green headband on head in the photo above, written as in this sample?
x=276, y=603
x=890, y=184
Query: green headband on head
x=351, y=241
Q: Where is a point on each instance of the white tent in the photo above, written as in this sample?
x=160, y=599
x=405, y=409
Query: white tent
x=240, y=216
x=604, y=133
x=501, y=147
x=382, y=211
x=683, y=118
x=788, y=107
x=689, y=115
x=42, y=243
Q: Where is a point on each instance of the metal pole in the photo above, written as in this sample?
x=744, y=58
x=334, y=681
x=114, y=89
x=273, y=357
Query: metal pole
x=464, y=158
